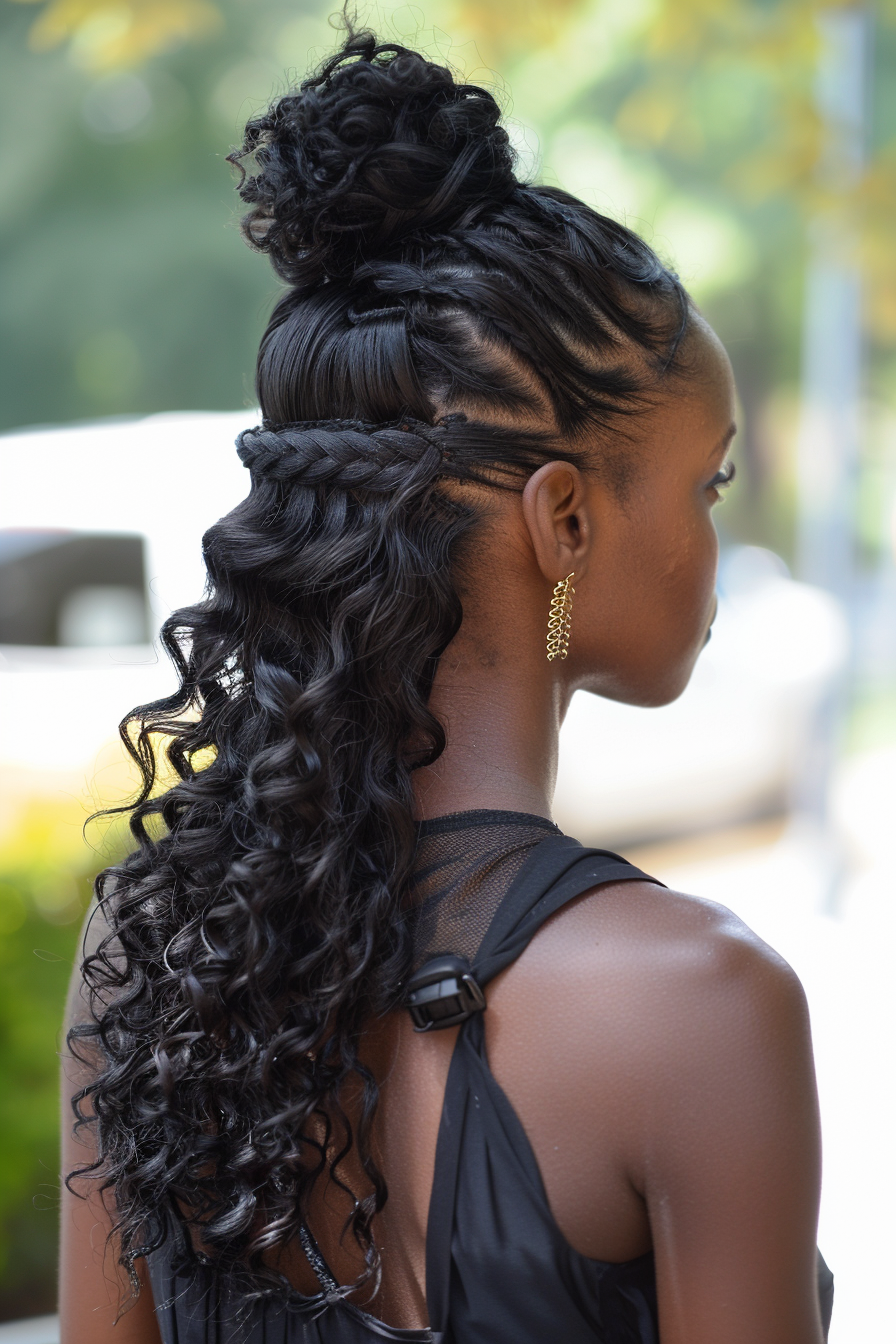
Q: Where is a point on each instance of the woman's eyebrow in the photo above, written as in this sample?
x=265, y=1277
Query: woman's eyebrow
x=724, y=440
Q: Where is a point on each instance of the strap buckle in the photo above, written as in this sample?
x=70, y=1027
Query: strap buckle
x=443, y=993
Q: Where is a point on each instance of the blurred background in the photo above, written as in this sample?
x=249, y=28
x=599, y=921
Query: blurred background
x=753, y=142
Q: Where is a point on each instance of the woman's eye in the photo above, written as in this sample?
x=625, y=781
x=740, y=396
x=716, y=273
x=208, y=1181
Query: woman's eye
x=722, y=478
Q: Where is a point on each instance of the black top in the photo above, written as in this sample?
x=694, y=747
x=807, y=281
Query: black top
x=498, y=1269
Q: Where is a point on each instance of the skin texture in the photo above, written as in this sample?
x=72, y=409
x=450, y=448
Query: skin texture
x=666, y=1082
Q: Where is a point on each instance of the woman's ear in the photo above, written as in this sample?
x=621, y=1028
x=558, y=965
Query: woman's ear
x=555, y=511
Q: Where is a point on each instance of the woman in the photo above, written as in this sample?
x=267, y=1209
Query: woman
x=364, y=1047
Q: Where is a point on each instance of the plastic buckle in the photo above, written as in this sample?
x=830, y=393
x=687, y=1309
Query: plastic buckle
x=443, y=993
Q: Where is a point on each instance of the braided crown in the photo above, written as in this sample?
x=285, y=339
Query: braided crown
x=345, y=453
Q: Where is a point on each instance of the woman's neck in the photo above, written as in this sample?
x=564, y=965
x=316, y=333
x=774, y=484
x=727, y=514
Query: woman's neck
x=502, y=727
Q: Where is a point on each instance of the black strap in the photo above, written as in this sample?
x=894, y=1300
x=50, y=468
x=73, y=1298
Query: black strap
x=557, y=870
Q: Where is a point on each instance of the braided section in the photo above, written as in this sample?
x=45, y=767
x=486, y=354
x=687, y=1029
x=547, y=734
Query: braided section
x=346, y=454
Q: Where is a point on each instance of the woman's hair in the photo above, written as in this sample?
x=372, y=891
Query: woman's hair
x=441, y=321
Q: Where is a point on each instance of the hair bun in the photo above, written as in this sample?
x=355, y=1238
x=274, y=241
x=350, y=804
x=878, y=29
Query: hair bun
x=379, y=143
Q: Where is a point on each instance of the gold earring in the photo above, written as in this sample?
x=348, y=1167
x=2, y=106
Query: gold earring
x=559, y=619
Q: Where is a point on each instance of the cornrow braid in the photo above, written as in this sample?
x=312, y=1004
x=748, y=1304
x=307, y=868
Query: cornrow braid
x=343, y=453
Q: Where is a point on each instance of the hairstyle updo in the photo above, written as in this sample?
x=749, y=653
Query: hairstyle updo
x=440, y=320
x=368, y=151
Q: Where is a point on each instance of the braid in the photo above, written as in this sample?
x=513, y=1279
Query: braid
x=344, y=454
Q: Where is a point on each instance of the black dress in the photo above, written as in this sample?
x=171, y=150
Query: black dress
x=498, y=1269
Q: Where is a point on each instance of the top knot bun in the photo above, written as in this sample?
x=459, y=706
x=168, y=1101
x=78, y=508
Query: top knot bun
x=379, y=143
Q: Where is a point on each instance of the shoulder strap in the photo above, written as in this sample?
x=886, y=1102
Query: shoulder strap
x=557, y=870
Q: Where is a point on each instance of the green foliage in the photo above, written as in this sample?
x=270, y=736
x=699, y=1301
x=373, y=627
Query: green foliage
x=126, y=286
x=37, y=952
x=46, y=879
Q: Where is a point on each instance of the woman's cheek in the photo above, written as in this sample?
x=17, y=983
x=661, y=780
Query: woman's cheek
x=690, y=587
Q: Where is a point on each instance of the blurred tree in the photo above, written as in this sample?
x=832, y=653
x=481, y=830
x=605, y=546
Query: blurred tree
x=127, y=290
x=709, y=111
x=110, y=34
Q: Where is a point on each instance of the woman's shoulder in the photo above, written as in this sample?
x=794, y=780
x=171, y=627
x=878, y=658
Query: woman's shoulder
x=638, y=930
x=666, y=982
x=658, y=1054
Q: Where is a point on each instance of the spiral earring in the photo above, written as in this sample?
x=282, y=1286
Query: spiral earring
x=559, y=619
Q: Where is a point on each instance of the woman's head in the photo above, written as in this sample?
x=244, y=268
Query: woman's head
x=426, y=281
x=458, y=360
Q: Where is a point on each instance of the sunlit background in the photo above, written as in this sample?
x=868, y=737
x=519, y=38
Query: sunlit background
x=753, y=143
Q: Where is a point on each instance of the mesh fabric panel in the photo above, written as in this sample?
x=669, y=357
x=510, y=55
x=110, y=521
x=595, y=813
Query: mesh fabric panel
x=465, y=864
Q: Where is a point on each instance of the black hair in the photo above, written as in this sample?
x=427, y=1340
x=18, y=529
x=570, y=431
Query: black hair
x=441, y=320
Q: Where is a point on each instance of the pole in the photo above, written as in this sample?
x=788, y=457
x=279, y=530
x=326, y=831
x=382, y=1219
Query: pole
x=828, y=441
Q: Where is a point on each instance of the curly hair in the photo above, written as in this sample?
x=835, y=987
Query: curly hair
x=433, y=305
